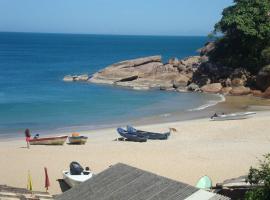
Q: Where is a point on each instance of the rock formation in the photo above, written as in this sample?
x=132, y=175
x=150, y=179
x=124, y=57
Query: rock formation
x=148, y=72
x=195, y=73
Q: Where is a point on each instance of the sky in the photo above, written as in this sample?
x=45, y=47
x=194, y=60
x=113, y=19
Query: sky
x=124, y=17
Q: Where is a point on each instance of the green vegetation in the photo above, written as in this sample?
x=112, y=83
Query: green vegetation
x=245, y=35
x=260, y=175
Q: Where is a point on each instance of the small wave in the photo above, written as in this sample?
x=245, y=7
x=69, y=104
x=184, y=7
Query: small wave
x=209, y=104
x=165, y=115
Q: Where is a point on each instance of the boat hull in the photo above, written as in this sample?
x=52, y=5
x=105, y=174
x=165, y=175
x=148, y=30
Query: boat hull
x=73, y=180
x=60, y=140
x=77, y=140
x=234, y=116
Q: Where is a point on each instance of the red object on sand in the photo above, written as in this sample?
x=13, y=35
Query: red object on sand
x=47, y=181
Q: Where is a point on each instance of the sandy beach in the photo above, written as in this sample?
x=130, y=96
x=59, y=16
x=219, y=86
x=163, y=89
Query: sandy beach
x=221, y=150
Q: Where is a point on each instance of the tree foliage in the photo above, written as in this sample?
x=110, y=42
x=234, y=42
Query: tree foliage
x=260, y=176
x=245, y=28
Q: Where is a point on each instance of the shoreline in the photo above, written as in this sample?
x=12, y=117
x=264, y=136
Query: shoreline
x=226, y=104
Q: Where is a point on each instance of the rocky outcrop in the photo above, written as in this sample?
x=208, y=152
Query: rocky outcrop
x=148, y=72
x=212, y=88
x=263, y=78
x=195, y=73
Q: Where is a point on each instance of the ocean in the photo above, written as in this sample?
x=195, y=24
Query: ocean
x=33, y=95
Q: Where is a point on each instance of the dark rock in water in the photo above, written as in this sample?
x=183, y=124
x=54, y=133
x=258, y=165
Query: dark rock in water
x=212, y=88
x=263, y=78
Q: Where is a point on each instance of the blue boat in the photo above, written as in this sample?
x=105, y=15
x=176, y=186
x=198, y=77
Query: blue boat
x=149, y=135
x=131, y=136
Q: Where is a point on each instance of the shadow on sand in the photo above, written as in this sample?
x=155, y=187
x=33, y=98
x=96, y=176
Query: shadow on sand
x=64, y=187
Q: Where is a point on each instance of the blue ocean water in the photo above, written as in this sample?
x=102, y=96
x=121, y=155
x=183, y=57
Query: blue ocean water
x=33, y=95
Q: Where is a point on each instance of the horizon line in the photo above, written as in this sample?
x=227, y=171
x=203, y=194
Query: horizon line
x=105, y=34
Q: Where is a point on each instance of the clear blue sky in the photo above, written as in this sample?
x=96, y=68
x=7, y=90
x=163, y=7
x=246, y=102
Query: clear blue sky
x=131, y=17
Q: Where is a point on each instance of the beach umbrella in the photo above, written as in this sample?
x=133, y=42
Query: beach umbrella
x=47, y=181
x=29, y=182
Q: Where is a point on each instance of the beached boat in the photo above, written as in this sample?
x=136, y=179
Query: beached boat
x=232, y=116
x=131, y=136
x=76, y=174
x=149, y=135
x=77, y=139
x=58, y=140
x=204, y=183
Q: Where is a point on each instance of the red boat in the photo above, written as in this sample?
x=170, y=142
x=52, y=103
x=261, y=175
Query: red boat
x=58, y=140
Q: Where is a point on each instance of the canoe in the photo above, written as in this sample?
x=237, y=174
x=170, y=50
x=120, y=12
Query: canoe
x=149, y=135
x=233, y=116
x=58, y=140
x=77, y=140
x=204, y=183
x=73, y=180
x=131, y=136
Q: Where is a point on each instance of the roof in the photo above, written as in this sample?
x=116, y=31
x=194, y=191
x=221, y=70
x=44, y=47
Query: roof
x=123, y=182
x=13, y=193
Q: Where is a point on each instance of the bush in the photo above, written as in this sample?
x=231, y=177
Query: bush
x=261, y=176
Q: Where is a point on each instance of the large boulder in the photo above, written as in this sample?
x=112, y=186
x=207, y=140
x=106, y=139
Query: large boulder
x=236, y=82
x=240, y=90
x=212, y=88
x=181, y=81
x=257, y=93
x=263, y=78
x=226, y=90
x=266, y=94
x=208, y=47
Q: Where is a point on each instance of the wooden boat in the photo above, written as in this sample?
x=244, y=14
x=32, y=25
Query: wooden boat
x=149, y=135
x=77, y=139
x=76, y=174
x=232, y=116
x=131, y=136
x=58, y=140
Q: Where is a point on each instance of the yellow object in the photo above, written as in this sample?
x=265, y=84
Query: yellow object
x=75, y=134
x=29, y=182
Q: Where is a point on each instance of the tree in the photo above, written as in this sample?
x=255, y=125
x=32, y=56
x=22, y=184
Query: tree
x=245, y=29
x=261, y=176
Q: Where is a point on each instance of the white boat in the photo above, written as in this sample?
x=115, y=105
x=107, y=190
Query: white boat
x=73, y=180
x=232, y=116
x=76, y=174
